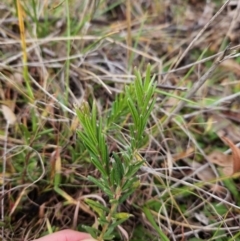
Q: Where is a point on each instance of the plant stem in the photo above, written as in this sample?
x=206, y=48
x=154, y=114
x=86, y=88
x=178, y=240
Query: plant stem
x=112, y=211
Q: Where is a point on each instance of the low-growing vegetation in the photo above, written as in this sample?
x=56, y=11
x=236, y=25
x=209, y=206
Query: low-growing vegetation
x=120, y=119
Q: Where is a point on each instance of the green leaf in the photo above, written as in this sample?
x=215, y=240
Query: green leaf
x=140, y=127
x=126, y=195
x=87, y=142
x=90, y=131
x=147, y=100
x=92, y=231
x=26, y=134
x=108, y=237
x=176, y=96
x=111, y=176
x=118, y=169
x=115, y=175
x=96, y=204
x=132, y=169
x=129, y=183
x=103, y=148
x=133, y=111
x=139, y=89
x=114, y=224
x=153, y=223
x=148, y=112
x=103, y=220
x=97, y=207
x=147, y=82
x=88, y=120
x=119, y=110
x=99, y=166
x=100, y=184
x=94, y=117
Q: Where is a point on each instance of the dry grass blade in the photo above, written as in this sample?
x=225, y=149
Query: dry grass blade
x=22, y=31
x=100, y=43
x=129, y=25
x=235, y=155
x=204, y=60
x=196, y=86
x=202, y=31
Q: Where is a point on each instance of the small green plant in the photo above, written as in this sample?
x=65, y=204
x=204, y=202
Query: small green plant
x=117, y=170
